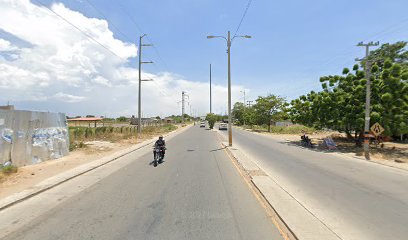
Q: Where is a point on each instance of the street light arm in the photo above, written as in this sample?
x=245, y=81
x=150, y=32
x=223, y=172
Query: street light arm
x=209, y=37
x=244, y=36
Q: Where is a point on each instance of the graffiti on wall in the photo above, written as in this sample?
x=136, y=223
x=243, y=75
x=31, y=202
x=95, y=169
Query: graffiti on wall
x=7, y=135
x=49, y=140
x=28, y=137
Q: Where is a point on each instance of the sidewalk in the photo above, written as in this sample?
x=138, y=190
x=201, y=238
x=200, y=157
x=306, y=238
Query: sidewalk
x=302, y=223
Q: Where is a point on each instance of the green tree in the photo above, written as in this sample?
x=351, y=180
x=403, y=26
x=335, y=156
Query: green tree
x=340, y=105
x=122, y=119
x=211, y=118
x=243, y=114
x=269, y=108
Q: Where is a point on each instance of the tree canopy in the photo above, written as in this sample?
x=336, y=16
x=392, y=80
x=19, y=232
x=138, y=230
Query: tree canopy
x=340, y=105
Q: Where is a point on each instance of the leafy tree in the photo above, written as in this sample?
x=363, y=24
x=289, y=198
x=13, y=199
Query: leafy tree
x=340, y=105
x=122, y=119
x=243, y=114
x=211, y=118
x=269, y=108
x=238, y=111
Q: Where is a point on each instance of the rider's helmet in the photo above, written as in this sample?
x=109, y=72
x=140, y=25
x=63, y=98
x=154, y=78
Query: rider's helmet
x=160, y=137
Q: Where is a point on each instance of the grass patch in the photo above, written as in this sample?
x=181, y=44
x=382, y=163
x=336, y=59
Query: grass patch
x=294, y=129
x=78, y=135
x=9, y=170
x=76, y=145
x=6, y=171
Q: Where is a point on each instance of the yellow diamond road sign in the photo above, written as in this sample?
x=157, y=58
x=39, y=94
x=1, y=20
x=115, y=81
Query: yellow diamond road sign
x=377, y=129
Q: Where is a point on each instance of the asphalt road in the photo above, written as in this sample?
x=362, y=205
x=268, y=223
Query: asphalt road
x=197, y=193
x=354, y=198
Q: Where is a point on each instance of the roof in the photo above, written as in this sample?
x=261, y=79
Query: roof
x=86, y=119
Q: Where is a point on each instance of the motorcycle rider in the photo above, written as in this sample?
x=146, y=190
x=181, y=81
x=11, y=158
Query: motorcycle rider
x=161, y=144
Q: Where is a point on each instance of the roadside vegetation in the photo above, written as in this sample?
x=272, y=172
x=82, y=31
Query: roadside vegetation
x=79, y=135
x=337, y=111
x=294, y=129
x=339, y=106
x=7, y=171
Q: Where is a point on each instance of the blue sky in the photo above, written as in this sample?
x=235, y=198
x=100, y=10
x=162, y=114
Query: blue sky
x=294, y=42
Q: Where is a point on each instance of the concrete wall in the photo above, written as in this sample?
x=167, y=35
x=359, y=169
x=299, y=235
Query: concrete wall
x=28, y=137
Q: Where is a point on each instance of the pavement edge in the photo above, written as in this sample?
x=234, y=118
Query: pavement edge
x=288, y=214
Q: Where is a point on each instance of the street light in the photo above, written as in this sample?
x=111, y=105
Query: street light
x=229, y=40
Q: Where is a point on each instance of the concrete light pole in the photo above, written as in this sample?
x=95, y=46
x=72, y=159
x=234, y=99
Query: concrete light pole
x=229, y=40
x=210, y=92
x=368, y=97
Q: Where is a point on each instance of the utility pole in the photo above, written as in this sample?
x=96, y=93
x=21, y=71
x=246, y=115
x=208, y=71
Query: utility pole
x=210, y=92
x=244, y=96
x=139, y=121
x=183, y=95
x=244, y=104
x=229, y=91
x=229, y=40
x=368, y=96
x=249, y=103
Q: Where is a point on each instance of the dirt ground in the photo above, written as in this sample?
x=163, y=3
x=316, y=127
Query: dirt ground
x=29, y=176
x=391, y=153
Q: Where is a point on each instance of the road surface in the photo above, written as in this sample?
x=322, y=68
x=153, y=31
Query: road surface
x=197, y=193
x=354, y=198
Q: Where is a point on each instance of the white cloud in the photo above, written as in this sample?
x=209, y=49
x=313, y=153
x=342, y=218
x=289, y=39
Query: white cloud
x=68, y=98
x=6, y=46
x=60, y=65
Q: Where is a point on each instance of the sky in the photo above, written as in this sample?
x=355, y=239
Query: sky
x=80, y=56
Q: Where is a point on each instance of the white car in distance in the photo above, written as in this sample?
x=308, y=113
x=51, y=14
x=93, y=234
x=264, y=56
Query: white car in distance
x=222, y=126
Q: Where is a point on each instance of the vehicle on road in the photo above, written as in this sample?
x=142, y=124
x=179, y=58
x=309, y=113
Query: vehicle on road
x=202, y=125
x=222, y=126
x=158, y=155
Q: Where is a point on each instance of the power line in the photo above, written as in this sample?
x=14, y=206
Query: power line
x=111, y=23
x=141, y=31
x=243, y=17
x=73, y=25
x=129, y=39
x=163, y=93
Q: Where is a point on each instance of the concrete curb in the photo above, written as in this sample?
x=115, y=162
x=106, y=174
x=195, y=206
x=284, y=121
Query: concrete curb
x=299, y=221
x=76, y=172
x=340, y=154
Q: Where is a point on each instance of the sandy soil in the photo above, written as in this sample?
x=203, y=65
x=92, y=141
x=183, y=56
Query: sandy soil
x=29, y=176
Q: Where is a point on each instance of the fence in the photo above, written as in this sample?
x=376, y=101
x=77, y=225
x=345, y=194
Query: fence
x=29, y=137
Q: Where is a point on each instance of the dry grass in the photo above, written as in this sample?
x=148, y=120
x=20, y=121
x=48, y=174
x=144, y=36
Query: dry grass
x=80, y=135
x=5, y=172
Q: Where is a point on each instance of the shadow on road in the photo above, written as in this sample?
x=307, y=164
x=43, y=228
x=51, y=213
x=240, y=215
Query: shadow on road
x=218, y=149
x=152, y=163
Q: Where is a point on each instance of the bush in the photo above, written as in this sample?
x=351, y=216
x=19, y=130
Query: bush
x=211, y=118
x=9, y=169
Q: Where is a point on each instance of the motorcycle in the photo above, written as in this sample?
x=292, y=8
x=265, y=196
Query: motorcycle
x=158, y=155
